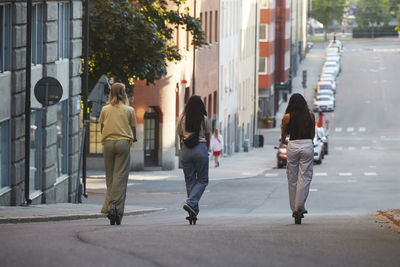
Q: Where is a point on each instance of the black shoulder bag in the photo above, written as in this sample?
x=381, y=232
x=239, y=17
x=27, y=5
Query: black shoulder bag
x=193, y=139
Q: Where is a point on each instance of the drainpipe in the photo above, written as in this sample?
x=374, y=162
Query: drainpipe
x=255, y=80
x=194, y=58
x=28, y=99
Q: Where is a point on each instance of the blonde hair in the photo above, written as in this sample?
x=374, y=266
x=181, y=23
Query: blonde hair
x=216, y=133
x=118, y=94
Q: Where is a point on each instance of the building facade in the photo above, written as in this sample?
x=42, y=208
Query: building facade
x=54, y=146
x=266, y=69
x=299, y=14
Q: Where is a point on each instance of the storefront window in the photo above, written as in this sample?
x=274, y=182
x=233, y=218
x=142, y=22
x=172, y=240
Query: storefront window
x=62, y=138
x=5, y=153
x=35, y=163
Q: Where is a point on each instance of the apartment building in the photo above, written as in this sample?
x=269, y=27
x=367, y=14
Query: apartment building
x=54, y=132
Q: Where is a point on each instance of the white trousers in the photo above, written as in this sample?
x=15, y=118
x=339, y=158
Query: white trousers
x=299, y=170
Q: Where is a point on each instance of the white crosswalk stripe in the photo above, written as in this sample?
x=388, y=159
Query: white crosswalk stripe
x=350, y=129
x=365, y=147
x=320, y=174
x=362, y=129
x=338, y=148
x=338, y=130
x=345, y=174
x=351, y=148
x=370, y=173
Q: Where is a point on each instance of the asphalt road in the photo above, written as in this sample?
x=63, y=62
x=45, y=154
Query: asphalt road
x=247, y=222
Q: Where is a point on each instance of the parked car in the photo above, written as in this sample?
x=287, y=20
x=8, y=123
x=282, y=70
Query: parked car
x=320, y=131
x=326, y=92
x=326, y=85
x=334, y=65
x=336, y=59
x=318, y=148
x=329, y=70
x=281, y=157
x=324, y=103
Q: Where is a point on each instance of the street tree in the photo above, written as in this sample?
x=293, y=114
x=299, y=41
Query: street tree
x=133, y=40
x=373, y=13
x=328, y=11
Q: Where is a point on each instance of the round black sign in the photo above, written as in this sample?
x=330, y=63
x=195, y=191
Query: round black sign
x=48, y=91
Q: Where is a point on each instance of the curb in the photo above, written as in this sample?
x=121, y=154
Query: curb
x=58, y=218
x=388, y=215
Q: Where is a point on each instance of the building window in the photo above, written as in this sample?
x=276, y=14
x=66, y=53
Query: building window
x=37, y=34
x=35, y=163
x=5, y=40
x=5, y=153
x=206, y=24
x=63, y=30
x=263, y=32
x=264, y=3
x=263, y=63
x=210, y=35
x=216, y=26
x=62, y=138
x=95, y=147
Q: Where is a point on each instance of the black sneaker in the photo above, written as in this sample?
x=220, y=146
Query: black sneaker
x=189, y=209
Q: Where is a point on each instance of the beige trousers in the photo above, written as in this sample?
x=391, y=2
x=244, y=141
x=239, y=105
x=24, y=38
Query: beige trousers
x=299, y=169
x=117, y=160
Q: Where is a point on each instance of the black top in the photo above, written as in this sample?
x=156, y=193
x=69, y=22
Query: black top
x=297, y=133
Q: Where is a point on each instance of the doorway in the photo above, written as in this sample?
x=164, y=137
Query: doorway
x=151, y=135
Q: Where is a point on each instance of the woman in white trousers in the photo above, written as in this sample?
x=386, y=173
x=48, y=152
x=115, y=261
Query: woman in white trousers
x=299, y=124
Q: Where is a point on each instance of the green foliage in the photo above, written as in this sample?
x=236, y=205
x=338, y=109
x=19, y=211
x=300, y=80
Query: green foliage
x=327, y=11
x=133, y=40
x=372, y=13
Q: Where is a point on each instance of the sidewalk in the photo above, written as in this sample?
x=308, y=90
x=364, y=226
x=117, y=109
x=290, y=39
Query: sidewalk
x=61, y=212
x=237, y=166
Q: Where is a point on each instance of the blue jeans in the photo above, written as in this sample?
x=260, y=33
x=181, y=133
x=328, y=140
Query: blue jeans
x=195, y=168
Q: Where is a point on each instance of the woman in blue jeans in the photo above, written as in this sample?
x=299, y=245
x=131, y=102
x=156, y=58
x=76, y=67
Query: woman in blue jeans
x=299, y=124
x=194, y=130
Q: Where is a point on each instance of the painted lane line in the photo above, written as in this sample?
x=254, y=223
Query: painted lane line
x=350, y=129
x=370, y=173
x=321, y=174
x=372, y=166
x=345, y=174
x=351, y=181
x=351, y=148
x=365, y=147
x=338, y=129
x=362, y=129
x=271, y=175
x=338, y=148
x=313, y=190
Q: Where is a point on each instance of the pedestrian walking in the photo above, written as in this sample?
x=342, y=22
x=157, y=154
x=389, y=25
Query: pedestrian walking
x=194, y=130
x=118, y=128
x=299, y=124
x=216, y=146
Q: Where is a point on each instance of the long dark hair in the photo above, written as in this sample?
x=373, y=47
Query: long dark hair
x=300, y=117
x=194, y=113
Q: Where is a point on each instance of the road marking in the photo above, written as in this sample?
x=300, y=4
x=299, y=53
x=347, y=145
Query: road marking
x=321, y=174
x=362, y=129
x=271, y=175
x=313, y=190
x=351, y=181
x=365, y=147
x=350, y=129
x=370, y=173
x=352, y=148
x=338, y=129
x=372, y=166
x=386, y=50
x=345, y=174
x=338, y=148
x=373, y=70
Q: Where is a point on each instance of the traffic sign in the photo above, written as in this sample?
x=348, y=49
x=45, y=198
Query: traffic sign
x=48, y=91
x=281, y=86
